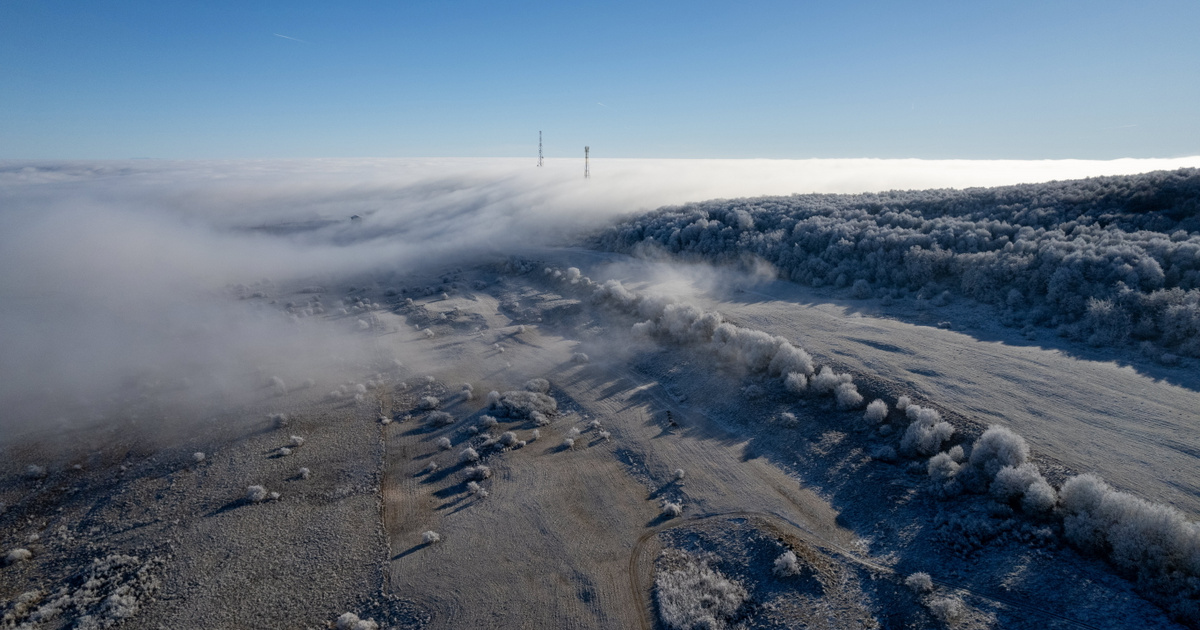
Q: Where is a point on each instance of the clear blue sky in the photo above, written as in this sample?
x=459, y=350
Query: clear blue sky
x=957, y=79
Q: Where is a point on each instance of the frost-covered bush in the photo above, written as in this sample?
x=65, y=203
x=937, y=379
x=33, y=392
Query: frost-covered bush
x=256, y=494
x=848, y=396
x=946, y=609
x=521, y=404
x=198, y=457
x=788, y=419
x=1011, y=482
x=508, y=438
x=1156, y=543
x=826, y=381
x=568, y=444
x=884, y=454
x=468, y=455
x=539, y=385
x=17, y=555
x=579, y=357
x=942, y=471
x=430, y=537
x=534, y=435
x=691, y=595
x=919, y=582
x=304, y=473
x=996, y=448
x=795, y=382
x=605, y=435
x=439, y=419
x=296, y=441
x=902, y=403
x=787, y=564
x=350, y=621
x=477, y=473
x=33, y=471
x=671, y=509
x=278, y=385
x=443, y=443
x=926, y=432
x=284, y=451
x=429, y=402
x=488, y=422
x=876, y=412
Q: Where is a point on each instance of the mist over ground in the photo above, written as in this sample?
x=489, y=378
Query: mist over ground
x=115, y=270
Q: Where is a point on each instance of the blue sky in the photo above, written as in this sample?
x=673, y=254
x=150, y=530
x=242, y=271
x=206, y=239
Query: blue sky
x=1020, y=80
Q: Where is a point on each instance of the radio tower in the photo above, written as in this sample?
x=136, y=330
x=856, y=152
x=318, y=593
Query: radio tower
x=539, y=149
x=587, y=173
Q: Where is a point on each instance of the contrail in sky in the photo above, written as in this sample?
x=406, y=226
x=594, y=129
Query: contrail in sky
x=291, y=38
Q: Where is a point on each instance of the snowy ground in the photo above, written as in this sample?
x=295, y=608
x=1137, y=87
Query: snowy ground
x=125, y=528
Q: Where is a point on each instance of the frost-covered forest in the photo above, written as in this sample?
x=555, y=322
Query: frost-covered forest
x=1107, y=260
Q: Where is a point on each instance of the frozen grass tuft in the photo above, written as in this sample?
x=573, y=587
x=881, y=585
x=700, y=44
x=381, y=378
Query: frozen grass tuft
x=787, y=564
x=919, y=582
x=256, y=494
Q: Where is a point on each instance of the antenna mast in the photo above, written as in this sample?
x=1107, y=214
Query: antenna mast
x=539, y=149
x=587, y=173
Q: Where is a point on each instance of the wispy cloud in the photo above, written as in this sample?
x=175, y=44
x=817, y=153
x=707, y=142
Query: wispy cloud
x=602, y=105
x=291, y=38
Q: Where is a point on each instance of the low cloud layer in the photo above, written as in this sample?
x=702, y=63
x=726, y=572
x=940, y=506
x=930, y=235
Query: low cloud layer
x=112, y=270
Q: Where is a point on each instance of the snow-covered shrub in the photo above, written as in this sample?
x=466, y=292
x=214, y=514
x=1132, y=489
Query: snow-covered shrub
x=539, y=385
x=876, y=412
x=520, y=404
x=947, y=609
x=304, y=473
x=942, y=471
x=826, y=381
x=1040, y=497
x=508, y=438
x=493, y=399
x=17, y=555
x=691, y=595
x=795, y=382
x=539, y=418
x=350, y=621
x=474, y=488
x=296, y=441
x=284, y=451
x=679, y=474
x=256, y=494
x=787, y=564
x=848, y=396
x=927, y=431
x=428, y=402
x=488, y=422
x=568, y=444
x=919, y=582
x=996, y=448
x=956, y=453
x=594, y=425
x=468, y=455
x=439, y=419
x=198, y=457
x=477, y=473
x=671, y=509
x=443, y=443
x=902, y=403
x=605, y=435
x=1011, y=482
x=430, y=537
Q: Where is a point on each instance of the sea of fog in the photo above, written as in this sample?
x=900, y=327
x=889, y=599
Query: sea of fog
x=112, y=270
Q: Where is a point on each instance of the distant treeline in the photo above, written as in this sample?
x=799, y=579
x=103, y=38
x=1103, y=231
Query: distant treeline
x=1107, y=260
